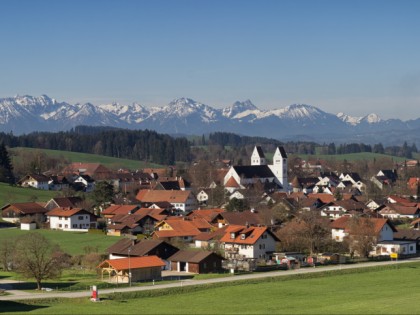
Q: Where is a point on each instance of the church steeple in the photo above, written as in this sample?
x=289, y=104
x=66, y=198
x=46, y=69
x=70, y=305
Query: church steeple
x=258, y=157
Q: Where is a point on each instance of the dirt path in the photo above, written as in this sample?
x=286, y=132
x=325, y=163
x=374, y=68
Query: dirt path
x=21, y=295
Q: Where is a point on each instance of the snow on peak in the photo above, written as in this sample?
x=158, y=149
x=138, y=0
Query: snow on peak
x=351, y=120
x=239, y=109
x=372, y=118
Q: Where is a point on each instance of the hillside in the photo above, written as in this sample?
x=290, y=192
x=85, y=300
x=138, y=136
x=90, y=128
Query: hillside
x=10, y=194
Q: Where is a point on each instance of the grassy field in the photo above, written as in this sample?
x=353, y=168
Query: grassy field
x=393, y=290
x=110, y=162
x=10, y=194
x=72, y=243
x=353, y=157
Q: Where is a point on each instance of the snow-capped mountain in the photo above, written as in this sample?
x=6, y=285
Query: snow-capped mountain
x=353, y=121
x=24, y=114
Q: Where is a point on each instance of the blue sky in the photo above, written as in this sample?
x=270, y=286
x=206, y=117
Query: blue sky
x=352, y=56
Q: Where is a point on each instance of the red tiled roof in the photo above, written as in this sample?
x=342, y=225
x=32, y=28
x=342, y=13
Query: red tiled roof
x=119, y=209
x=66, y=212
x=133, y=263
x=252, y=234
x=26, y=207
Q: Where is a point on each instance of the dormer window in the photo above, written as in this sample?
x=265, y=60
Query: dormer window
x=232, y=235
x=243, y=236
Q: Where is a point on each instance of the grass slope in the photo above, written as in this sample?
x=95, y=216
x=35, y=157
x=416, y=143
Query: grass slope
x=110, y=162
x=393, y=290
x=71, y=242
x=11, y=194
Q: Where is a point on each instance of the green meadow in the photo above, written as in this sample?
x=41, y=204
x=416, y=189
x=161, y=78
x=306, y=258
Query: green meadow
x=383, y=290
x=72, y=243
x=110, y=162
x=11, y=194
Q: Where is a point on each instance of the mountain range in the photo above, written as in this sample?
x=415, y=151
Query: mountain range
x=184, y=116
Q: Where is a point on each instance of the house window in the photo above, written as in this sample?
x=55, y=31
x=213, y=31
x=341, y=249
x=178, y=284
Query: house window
x=74, y=226
x=60, y=225
x=80, y=217
x=60, y=218
x=232, y=235
x=66, y=226
x=242, y=236
x=411, y=248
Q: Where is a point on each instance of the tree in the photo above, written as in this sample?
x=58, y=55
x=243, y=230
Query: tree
x=6, y=168
x=362, y=236
x=102, y=193
x=36, y=257
x=237, y=205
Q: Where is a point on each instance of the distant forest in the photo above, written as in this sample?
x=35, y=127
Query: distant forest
x=146, y=145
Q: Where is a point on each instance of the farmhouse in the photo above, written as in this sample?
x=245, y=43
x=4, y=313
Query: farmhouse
x=183, y=201
x=71, y=219
x=31, y=211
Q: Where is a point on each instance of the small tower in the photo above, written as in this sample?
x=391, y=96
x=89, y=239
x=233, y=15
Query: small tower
x=279, y=167
x=258, y=157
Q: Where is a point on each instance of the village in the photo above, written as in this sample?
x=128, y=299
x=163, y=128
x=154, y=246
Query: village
x=248, y=218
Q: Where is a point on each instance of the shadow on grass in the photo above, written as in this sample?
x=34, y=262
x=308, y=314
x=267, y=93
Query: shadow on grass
x=10, y=307
x=53, y=285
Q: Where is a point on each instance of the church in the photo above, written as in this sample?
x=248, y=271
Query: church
x=273, y=176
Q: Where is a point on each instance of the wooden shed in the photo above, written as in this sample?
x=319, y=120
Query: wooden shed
x=141, y=268
x=196, y=261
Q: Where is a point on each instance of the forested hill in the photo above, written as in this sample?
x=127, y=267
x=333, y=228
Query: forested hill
x=142, y=145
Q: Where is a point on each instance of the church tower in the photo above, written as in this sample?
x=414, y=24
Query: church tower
x=258, y=157
x=279, y=167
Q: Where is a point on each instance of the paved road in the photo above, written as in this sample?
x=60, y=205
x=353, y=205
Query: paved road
x=21, y=295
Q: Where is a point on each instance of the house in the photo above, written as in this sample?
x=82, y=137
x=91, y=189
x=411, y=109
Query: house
x=203, y=196
x=179, y=228
x=94, y=170
x=71, y=219
x=86, y=182
x=135, y=248
x=397, y=210
x=339, y=208
x=37, y=181
x=212, y=216
x=387, y=248
x=383, y=228
x=63, y=202
x=304, y=184
x=385, y=178
x=128, y=182
x=169, y=183
x=139, y=268
x=239, y=218
x=141, y=221
x=113, y=210
x=243, y=176
x=58, y=182
x=196, y=262
x=248, y=242
x=31, y=211
x=183, y=201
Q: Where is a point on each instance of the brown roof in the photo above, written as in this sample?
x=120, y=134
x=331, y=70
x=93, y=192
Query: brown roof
x=241, y=218
x=133, y=263
x=343, y=223
x=179, y=228
x=325, y=198
x=66, y=202
x=400, y=209
x=138, y=248
x=207, y=214
x=26, y=207
x=171, y=196
x=191, y=256
x=119, y=209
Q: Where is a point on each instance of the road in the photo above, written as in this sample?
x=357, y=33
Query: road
x=23, y=295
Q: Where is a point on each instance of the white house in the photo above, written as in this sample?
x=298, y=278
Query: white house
x=87, y=182
x=384, y=230
x=71, y=219
x=183, y=201
x=37, y=181
x=202, y=197
x=386, y=248
x=248, y=242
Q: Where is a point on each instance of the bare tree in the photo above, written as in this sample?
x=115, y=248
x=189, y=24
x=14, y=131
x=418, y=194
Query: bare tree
x=362, y=236
x=7, y=249
x=36, y=257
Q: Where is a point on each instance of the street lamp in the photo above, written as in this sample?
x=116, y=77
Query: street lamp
x=129, y=267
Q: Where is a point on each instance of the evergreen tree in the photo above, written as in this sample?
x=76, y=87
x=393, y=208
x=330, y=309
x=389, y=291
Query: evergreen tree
x=6, y=168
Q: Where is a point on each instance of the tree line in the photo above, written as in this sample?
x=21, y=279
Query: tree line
x=144, y=145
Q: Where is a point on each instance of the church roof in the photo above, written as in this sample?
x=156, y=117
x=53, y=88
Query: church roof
x=260, y=151
x=253, y=171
